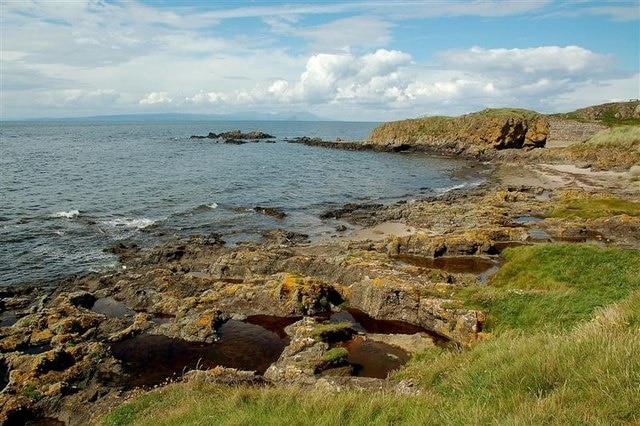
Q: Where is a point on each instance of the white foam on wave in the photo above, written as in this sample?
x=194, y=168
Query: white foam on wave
x=451, y=188
x=138, y=223
x=67, y=215
x=213, y=206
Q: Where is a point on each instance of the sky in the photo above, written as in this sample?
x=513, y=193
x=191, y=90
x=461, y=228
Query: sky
x=344, y=60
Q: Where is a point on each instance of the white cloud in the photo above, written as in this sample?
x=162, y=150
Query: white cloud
x=572, y=60
x=154, y=98
x=348, y=33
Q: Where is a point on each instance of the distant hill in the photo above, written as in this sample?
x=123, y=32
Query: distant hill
x=156, y=117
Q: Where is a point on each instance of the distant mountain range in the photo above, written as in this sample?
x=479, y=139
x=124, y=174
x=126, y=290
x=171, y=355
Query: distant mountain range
x=238, y=116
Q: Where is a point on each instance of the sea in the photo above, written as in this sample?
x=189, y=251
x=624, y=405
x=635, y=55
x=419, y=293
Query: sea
x=70, y=190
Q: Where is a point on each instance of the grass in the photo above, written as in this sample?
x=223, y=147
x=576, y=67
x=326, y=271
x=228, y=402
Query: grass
x=617, y=147
x=565, y=350
x=335, y=356
x=593, y=208
x=554, y=286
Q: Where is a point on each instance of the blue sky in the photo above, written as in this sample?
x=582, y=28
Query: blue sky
x=350, y=60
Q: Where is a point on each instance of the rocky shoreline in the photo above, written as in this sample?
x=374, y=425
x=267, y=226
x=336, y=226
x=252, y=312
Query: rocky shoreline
x=67, y=352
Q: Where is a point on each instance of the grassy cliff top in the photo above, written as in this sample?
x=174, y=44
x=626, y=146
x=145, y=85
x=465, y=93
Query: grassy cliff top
x=611, y=114
x=489, y=126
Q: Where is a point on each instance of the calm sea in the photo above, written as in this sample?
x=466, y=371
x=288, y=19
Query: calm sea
x=70, y=190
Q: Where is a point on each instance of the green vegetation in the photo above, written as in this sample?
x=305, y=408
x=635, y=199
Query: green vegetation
x=565, y=349
x=31, y=391
x=554, y=286
x=335, y=356
x=617, y=147
x=592, y=208
x=611, y=114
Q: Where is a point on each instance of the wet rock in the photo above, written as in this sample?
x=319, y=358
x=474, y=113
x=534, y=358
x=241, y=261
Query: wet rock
x=285, y=238
x=141, y=323
x=298, y=362
x=82, y=299
x=390, y=299
x=123, y=251
x=194, y=325
x=356, y=213
x=271, y=211
x=411, y=343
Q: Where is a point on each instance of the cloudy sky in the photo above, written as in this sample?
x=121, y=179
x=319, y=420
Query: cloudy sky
x=348, y=60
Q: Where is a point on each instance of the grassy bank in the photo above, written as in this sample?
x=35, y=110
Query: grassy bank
x=617, y=147
x=565, y=349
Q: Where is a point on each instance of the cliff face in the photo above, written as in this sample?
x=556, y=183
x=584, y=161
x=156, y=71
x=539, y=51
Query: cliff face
x=472, y=134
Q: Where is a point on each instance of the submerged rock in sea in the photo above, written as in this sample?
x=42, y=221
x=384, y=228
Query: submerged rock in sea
x=271, y=211
x=236, y=136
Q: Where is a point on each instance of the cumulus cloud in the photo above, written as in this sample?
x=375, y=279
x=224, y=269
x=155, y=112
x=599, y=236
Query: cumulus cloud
x=330, y=77
x=571, y=60
x=155, y=98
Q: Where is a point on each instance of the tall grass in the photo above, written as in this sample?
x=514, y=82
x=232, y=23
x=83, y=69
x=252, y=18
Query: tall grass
x=617, y=147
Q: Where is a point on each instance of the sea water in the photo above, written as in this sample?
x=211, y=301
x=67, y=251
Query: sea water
x=70, y=190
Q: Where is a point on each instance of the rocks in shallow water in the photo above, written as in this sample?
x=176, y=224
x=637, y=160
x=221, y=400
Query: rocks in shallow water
x=271, y=211
x=356, y=213
x=285, y=238
x=194, y=325
x=236, y=136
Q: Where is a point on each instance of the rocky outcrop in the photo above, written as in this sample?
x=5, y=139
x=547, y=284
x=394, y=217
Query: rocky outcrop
x=235, y=135
x=477, y=134
x=611, y=113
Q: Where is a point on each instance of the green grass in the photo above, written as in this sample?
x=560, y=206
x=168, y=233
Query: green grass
x=335, y=356
x=565, y=350
x=592, y=208
x=554, y=286
x=614, y=148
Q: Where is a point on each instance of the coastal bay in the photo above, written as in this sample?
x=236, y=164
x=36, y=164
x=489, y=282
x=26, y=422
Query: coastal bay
x=448, y=263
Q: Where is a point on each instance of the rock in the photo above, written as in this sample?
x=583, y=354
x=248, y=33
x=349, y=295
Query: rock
x=223, y=375
x=411, y=343
x=299, y=360
x=476, y=134
x=82, y=299
x=236, y=136
x=285, y=238
x=194, y=325
x=271, y=211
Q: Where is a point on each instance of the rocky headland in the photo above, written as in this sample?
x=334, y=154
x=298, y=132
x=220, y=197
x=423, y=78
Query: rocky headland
x=400, y=284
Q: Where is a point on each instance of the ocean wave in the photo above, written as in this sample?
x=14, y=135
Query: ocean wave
x=67, y=215
x=213, y=206
x=450, y=188
x=139, y=223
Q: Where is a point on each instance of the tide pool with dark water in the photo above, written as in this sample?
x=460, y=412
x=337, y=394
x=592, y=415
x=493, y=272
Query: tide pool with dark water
x=71, y=190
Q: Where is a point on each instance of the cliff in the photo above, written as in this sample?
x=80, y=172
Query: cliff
x=475, y=134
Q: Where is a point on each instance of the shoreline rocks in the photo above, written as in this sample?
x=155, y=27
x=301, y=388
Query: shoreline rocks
x=235, y=136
